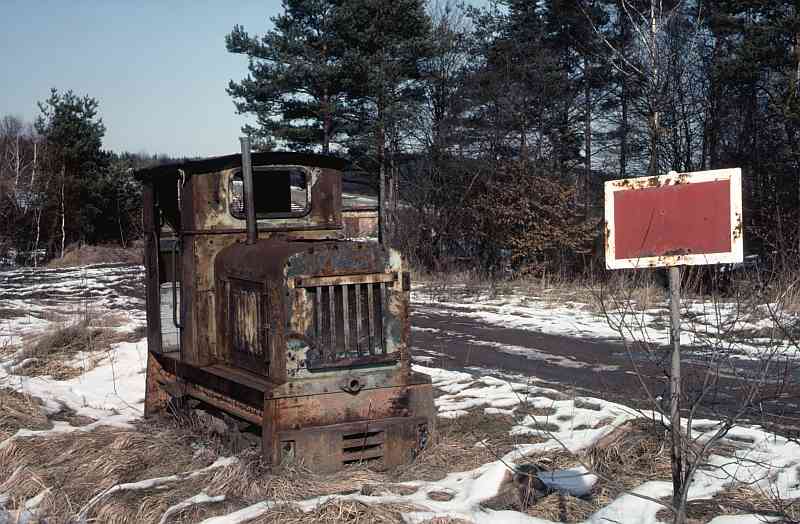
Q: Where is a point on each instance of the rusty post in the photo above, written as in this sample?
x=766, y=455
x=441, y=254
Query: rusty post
x=249, y=199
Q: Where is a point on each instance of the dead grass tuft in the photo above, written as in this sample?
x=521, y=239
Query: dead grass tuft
x=640, y=453
x=338, y=511
x=635, y=453
x=18, y=411
x=463, y=444
x=131, y=507
x=252, y=479
x=736, y=500
x=376, y=490
x=66, y=352
x=76, y=466
x=76, y=255
x=560, y=507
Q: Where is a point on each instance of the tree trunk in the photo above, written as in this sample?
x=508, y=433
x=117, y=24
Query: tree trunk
x=17, y=165
x=33, y=170
x=326, y=125
x=797, y=65
x=587, y=135
x=655, y=116
x=38, y=232
x=119, y=224
x=794, y=142
x=623, y=134
x=63, y=214
x=381, y=144
x=37, y=209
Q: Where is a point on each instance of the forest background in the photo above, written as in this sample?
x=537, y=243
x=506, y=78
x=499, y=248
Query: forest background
x=488, y=131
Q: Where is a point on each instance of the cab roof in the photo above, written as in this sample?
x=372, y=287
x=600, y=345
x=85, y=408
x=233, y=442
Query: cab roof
x=221, y=163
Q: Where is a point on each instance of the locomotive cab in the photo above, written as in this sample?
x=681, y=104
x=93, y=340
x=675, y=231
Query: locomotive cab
x=265, y=301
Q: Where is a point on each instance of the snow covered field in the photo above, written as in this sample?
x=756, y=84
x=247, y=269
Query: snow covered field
x=741, y=328
x=112, y=393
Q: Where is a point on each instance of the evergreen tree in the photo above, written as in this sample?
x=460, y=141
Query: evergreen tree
x=756, y=119
x=384, y=43
x=295, y=86
x=73, y=132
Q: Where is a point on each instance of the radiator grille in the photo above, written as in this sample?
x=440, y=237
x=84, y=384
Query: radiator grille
x=348, y=320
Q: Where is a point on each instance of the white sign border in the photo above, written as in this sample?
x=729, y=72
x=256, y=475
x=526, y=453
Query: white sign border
x=737, y=243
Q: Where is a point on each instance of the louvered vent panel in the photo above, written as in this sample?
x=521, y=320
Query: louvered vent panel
x=248, y=323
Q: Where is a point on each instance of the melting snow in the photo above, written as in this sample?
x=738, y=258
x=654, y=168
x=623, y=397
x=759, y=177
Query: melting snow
x=113, y=393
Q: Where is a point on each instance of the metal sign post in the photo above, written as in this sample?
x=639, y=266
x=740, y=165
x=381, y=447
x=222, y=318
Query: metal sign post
x=675, y=369
x=670, y=221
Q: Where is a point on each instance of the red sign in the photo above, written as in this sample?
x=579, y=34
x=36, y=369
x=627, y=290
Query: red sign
x=677, y=219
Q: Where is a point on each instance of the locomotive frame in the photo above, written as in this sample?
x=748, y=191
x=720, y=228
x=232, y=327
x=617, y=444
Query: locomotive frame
x=277, y=318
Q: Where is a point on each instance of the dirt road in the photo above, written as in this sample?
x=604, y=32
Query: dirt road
x=443, y=337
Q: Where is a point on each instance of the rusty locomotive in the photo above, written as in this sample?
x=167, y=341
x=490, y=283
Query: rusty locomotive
x=259, y=304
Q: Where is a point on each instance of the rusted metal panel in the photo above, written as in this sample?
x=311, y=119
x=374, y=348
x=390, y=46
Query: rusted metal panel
x=341, y=406
x=370, y=378
x=151, y=264
x=677, y=219
x=300, y=332
x=156, y=399
x=218, y=215
x=248, y=318
x=389, y=441
x=370, y=278
x=358, y=223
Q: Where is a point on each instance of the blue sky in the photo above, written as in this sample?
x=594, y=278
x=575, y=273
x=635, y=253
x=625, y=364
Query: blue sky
x=158, y=68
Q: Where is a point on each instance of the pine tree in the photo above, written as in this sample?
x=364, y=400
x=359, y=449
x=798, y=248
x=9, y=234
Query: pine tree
x=295, y=86
x=73, y=132
x=756, y=119
x=384, y=43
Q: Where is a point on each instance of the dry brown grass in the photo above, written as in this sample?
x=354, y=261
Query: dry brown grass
x=56, y=353
x=636, y=454
x=76, y=466
x=84, y=255
x=130, y=507
x=338, y=511
x=18, y=411
x=641, y=453
x=736, y=500
x=463, y=444
x=251, y=479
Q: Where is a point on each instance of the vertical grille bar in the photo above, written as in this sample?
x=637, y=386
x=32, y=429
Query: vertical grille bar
x=332, y=340
x=358, y=319
x=370, y=319
x=346, y=318
x=379, y=317
x=318, y=305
